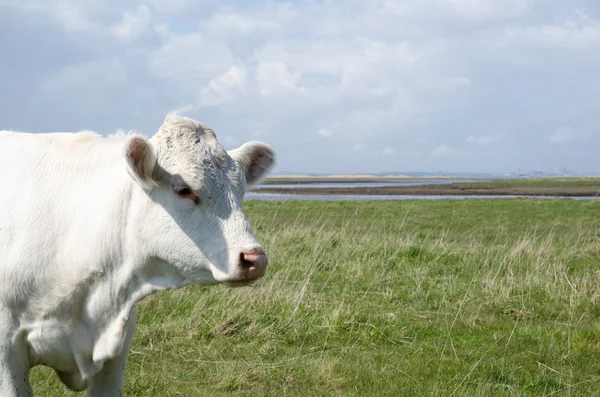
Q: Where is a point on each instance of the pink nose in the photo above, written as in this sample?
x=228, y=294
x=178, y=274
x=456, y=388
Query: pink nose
x=254, y=263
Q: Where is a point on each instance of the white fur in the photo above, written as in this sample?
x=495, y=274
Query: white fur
x=83, y=238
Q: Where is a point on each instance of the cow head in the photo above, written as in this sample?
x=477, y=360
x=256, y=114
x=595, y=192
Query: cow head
x=189, y=216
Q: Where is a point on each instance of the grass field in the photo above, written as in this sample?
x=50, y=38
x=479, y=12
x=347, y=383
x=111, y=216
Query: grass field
x=413, y=298
x=555, y=183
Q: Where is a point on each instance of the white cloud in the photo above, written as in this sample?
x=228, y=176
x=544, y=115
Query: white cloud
x=483, y=140
x=161, y=30
x=388, y=151
x=81, y=75
x=325, y=132
x=133, y=25
x=352, y=67
x=82, y=16
x=171, y=6
x=460, y=9
x=562, y=136
x=578, y=31
x=357, y=147
x=229, y=22
x=459, y=81
x=224, y=88
x=191, y=59
x=388, y=74
x=488, y=8
x=442, y=151
x=70, y=15
x=274, y=79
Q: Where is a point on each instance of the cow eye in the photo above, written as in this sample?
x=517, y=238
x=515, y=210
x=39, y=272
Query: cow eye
x=184, y=191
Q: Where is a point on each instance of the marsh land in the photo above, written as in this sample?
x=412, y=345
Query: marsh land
x=554, y=187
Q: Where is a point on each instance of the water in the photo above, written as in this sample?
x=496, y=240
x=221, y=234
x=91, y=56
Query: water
x=277, y=197
x=329, y=185
x=257, y=195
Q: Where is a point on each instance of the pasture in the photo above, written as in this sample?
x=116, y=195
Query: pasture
x=412, y=298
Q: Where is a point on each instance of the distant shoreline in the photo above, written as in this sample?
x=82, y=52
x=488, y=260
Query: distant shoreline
x=558, y=187
x=308, y=179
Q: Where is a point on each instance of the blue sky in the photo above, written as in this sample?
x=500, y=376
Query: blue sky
x=336, y=86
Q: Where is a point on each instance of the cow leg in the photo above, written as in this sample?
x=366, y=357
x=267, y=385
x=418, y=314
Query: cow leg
x=109, y=381
x=14, y=361
x=14, y=373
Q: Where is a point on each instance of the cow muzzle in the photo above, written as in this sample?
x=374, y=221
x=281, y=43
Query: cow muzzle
x=253, y=264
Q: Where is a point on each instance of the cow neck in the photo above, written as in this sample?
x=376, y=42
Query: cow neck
x=110, y=303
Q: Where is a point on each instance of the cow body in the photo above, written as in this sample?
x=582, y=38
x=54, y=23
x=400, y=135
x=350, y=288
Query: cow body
x=90, y=225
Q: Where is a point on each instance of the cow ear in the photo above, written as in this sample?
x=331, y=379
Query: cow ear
x=141, y=160
x=256, y=159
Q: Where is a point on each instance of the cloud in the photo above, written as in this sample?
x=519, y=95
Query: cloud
x=357, y=147
x=388, y=74
x=578, y=31
x=229, y=22
x=111, y=72
x=224, y=88
x=133, y=25
x=459, y=81
x=483, y=140
x=275, y=80
x=326, y=132
x=172, y=6
x=190, y=59
x=562, y=136
x=443, y=151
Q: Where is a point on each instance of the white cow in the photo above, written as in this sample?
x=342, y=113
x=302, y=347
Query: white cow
x=90, y=225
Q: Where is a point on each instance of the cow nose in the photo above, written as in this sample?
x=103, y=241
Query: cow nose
x=254, y=263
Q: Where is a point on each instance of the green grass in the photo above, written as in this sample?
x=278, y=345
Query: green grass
x=414, y=298
x=557, y=183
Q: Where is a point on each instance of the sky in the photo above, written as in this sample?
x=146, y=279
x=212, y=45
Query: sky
x=335, y=86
